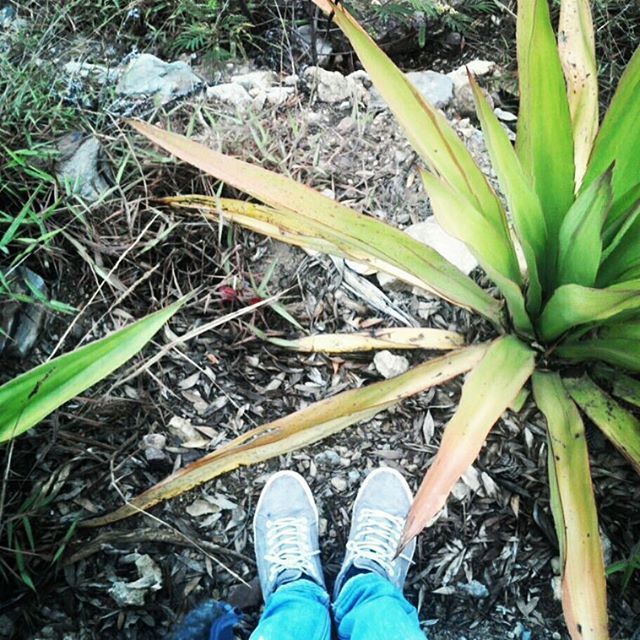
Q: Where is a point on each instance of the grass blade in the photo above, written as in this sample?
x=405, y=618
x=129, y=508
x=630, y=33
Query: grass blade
x=346, y=233
x=301, y=428
x=394, y=338
x=584, y=589
x=620, y=427
x=32, y=396
x=425, y=127
x=544, y=121
x=488, y=390
x=576, y=45
x=572, y=305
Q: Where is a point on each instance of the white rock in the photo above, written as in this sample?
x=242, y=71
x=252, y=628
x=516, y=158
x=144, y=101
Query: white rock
x=150, y=76
x=435, y=87
x=505, y=116
x=339, y=484
x=261, y=80
x=389, y=365
x=332, y=86
x=279, y=95
x=291, y=81
x=429, y=232
x=97, y=72
x=231, y=94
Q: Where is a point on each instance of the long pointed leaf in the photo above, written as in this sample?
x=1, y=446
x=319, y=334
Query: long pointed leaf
x=576, y=44
x=372, y=236
x=622, y=352
x=487, y=392
x=572, y=305
x=544, y=142
x=459, y=218
x=524, y=205
x=584, y=589
x=580, y=241
x=425, y=127
x=32, y=396
x=618, y=140
x=301, y=428
x=622, y=261
x=393, y=338
x=359, y=239
x=620, y=427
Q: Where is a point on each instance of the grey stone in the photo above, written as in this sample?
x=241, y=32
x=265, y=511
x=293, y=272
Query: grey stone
x=389, y=365
x=7, y=16
x=435, y=87
x=233, y=95
x=147, y=75
x=330, y=86
x=21, y=322
x=339, y=484
x=97, y=72
x=462, y=92
x=81, y=168
x=474, y=589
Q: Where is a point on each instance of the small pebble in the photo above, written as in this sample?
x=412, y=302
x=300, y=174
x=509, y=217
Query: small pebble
x=339, y=484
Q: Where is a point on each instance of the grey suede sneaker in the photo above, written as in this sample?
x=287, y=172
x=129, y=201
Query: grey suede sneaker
x=379, y=514
x=285, y=533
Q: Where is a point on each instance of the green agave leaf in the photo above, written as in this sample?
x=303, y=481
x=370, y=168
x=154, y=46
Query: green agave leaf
x=626, y=388
x=426, y=128
x=458, y=217
x=544, y=142
x=622, y=352
x=584, y=589
x=623, y=213
x=572, y=305
x=624, y=258
x=619, y=138
x=576, y=45
x=32, y=396
x=353, y=235
x=620, y=427
x=524, y=205
x=580, y=240
x=493, y=384
x=301, y=428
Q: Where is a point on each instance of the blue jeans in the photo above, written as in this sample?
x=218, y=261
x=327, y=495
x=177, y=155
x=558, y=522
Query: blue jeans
x=368, y=608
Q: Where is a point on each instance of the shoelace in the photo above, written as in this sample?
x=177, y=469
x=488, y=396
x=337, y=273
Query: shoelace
x=377, y=539
x=288, y=546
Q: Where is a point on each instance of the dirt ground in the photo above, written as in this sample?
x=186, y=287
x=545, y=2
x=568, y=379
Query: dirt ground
x=487, y=568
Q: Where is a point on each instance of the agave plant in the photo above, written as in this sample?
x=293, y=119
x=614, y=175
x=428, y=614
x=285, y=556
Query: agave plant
x=572, y=189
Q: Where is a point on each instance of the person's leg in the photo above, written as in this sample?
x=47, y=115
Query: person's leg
x=368, y=600
x=285, y=530
x=369, y=607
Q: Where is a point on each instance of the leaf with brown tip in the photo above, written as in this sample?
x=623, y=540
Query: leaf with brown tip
x=301, y=428
x=489, y=389
x=584, y=589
